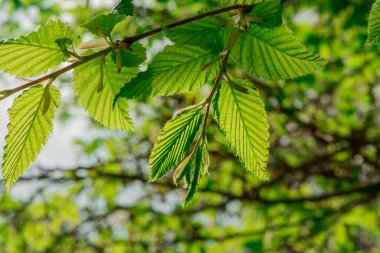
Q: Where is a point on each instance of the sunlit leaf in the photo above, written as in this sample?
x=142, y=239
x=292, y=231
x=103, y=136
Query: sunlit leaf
x=175, y=70
x=241, y=116
x=174, y=141
x=132, y=58
x=97, y=88
x=37, y=52
x=267, y=13
x=204, y=33
x=29, y=128
x=103, y=24
x=274, y=54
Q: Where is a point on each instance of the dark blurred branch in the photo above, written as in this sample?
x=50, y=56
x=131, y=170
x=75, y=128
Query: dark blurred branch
x=251, y=195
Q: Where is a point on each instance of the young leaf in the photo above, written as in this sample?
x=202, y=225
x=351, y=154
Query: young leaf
x=269, y=12
x=182, y=169
x=274, y=54
x=28, y=130
x=99, y=102
x=196, y=175
x=124, y=7
x=200, y=167
x=374, y=25
x=93, y=44
x=37, y=52
x=174, y=142
x=103, y=24
x=204, y=33
x=175, y=70
x=131, y=58
x=242, y=118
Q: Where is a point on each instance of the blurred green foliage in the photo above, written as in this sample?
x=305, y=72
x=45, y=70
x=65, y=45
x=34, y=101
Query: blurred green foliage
x=324, y=157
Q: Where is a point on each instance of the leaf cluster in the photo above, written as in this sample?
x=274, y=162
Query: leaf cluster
x=244, y=36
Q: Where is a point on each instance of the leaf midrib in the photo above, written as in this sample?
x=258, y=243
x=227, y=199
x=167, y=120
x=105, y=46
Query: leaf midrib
x=278, y=50
x=33, y=45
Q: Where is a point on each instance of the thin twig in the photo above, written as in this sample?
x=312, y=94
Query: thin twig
x=135, y=38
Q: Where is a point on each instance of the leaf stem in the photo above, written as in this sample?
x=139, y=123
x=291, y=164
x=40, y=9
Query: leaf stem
x=217, y=82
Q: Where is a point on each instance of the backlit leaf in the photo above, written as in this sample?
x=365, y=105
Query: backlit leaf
x=103, y=24
x=274, y=54
x=174, y=141
x=29, y=128
x=37, y=52
x=175, y=70
x=242, y=118
x=97, y=101
x=269, y=12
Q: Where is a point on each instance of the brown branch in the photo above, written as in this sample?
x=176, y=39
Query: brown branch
x=58, y=72
x=129, y=40
x=135, y=38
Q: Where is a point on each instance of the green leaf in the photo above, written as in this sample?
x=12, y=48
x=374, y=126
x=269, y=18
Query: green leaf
x=96, y=92
x=242, y=2
x=182, y=169
x=241, y=116
x=132, y=58
x=175, y=70
x=174, y=141
x=124, y=7
x=103, y=24
x=268, y=13
x=204, y=33
x=29, y=128
x=196, y=174
x=374, y=25
x=274, y=54
x=196, y=169
x=37, y=52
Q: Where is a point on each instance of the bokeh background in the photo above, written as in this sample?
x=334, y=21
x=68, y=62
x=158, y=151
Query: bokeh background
x=88, y=190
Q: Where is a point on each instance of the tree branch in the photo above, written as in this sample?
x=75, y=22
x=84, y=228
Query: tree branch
x=135, y=38
x=129, y=40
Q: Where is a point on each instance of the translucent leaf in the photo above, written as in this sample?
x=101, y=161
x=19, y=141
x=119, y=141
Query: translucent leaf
x=274, y=54
x=124, y=7
x=242, y=2
x=269, y=12
x=241, y=116
x=175, y=70
x=132, y=58
x=103, y=24
x=374, y=25
x=97, y=88
x=196, y=175
x=93, y=44
x=174, y=141
x=29, y=128
x=182, y=168
x=37, y=52
x=204, y=33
